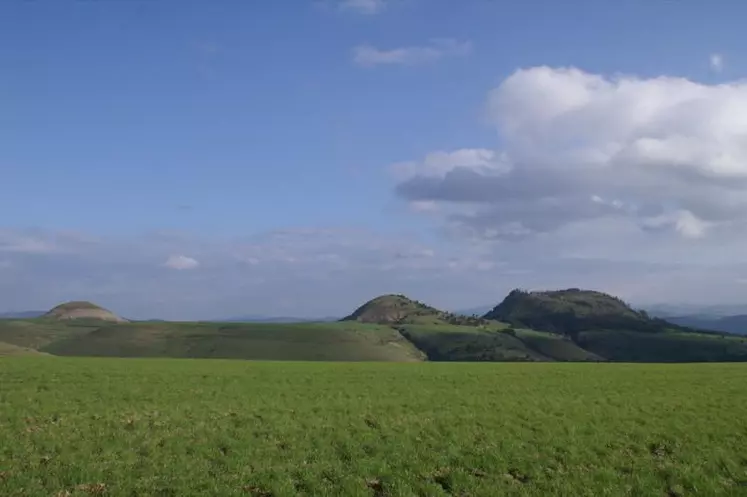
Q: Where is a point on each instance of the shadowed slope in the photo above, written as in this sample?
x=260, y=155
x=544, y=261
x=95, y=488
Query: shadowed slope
x=570, y=311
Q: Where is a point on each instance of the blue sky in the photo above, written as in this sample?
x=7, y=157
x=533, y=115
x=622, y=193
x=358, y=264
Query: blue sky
x=193, y=159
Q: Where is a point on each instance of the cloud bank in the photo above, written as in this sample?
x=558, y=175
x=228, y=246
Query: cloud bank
x=662, y=155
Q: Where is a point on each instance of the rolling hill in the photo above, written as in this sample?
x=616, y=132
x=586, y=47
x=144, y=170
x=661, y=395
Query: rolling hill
x=391, y=309
x=82, y=310
x=570, y=311
x=564, y=325
x=607, y=327
x=258, y=341
x=399, y=309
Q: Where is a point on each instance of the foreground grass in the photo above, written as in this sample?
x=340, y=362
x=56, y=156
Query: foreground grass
x=130, y=427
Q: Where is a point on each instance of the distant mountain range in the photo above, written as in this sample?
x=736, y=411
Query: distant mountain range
x=21, y=314
x=729, y=324
x=706, y=311
x=275, y=319
x=729, y=318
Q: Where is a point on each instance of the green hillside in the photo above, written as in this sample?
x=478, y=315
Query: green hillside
x=10, y=350
x=567, y=325
x=260, y=341
x=671, y=346
x=555, y=347
x=399, y=309
x=38, y=333
x=570, y=311
x=464, y=343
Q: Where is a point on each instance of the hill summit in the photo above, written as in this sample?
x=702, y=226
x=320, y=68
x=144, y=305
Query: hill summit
x=82, y=310
x=570, y=311
x=388, y=309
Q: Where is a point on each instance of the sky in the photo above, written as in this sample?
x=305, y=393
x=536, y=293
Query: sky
x=182, y=159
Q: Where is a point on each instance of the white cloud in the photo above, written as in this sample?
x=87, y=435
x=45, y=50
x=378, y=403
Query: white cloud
x=181, y=262
x=438, y=164
x=424, y=206
x=366, y=7
x=717, y=62
x=667, y=154
x=370, y=56
x=683, y=222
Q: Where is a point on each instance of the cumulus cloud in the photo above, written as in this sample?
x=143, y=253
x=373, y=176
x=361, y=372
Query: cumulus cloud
x=717, y=62
x=181, y=262
x=664, y=154
x=366, y=7
x=370, y=56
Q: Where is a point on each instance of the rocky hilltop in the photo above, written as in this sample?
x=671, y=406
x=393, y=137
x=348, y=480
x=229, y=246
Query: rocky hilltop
x=82, y=310
x=389, y=309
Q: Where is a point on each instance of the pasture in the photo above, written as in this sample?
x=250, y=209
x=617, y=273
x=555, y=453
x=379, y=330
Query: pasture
x=177, y=427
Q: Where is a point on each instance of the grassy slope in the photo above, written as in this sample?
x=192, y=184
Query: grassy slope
x=10, y=350
x=231, y=428
x=463, y=343
x=556, y=347
x=630, y=346
x=348, y=341
x=354, y=341
x=38, y=333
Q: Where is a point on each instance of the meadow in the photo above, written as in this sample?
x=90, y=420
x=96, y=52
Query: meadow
x=177, y=427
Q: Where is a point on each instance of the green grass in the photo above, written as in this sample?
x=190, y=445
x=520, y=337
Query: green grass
x=124, y=427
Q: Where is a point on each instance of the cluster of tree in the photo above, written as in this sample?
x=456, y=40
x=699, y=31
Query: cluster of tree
x=462, y=320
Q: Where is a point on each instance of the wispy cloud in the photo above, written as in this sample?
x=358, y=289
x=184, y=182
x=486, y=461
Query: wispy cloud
x=366, y=7
x=370, y=56
x=317, y=272
x=181, y=262
x=717, y=62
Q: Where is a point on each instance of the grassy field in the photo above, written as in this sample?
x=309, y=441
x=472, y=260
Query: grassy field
x=155, y=427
